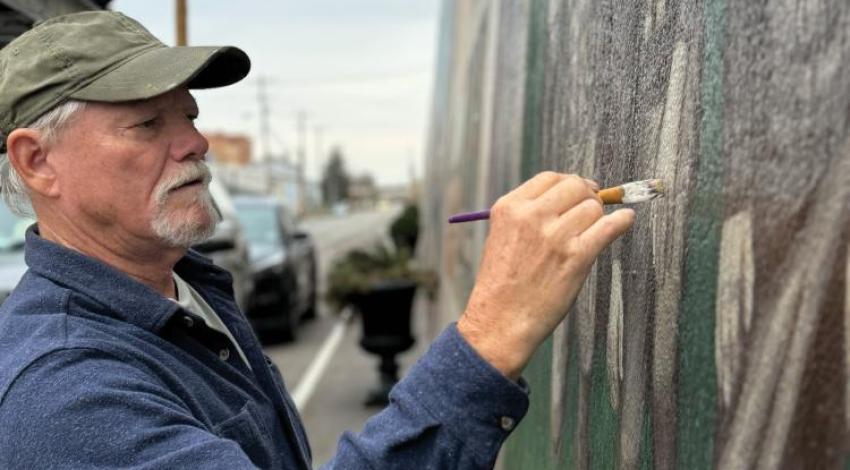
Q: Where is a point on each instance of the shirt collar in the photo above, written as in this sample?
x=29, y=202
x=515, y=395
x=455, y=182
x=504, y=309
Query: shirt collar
x=122, y=296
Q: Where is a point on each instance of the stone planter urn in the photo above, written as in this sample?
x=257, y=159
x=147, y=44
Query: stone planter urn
x=385, y=316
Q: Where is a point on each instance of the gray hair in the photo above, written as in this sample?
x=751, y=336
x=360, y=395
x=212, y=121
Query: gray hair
x=12, y=188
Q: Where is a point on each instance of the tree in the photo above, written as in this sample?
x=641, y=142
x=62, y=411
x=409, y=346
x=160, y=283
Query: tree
x=335, y=179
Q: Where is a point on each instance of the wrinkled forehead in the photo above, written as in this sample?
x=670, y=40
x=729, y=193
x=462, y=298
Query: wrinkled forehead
x=96, y=117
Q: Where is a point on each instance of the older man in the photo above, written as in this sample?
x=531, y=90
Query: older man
x=123, y=348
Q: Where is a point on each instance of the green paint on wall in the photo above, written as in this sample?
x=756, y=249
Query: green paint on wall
x=529, y=446
x=603, y=421
x=568, y=447
x=697, y=372
x=532, y=130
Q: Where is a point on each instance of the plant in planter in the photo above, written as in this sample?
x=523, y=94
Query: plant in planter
x=404, y=230
x=380, y=283
x=361, y=271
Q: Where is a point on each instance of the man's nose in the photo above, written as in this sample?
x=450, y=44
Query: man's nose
x=189, y=142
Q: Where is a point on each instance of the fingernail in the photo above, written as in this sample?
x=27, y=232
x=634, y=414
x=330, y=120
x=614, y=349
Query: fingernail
x=593, y=184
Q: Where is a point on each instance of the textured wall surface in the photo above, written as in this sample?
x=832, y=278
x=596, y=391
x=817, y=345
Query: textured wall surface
x=716, y=334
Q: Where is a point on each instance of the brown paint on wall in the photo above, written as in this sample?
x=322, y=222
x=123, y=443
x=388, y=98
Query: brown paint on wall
x=772, y=381
x=786, y=146
x=815, y=419
x=847, y=338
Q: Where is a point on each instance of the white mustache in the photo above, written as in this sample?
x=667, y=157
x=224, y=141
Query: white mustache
x=191, y=172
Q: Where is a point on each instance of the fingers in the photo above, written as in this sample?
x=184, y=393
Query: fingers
x=561, y=197
x=605, y=230
x=594, y=186
x=538, y=184
x=543, y=181
x=579, y=218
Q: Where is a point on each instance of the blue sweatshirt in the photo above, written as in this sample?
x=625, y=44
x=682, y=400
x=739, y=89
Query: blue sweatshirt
x=99, y=371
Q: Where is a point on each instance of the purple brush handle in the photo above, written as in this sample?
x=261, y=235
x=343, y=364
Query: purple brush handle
x=469, y=216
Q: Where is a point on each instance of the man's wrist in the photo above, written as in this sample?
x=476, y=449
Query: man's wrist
x=497, y=350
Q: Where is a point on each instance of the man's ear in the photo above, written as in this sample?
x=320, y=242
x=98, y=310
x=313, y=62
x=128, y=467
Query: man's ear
x=28, y=155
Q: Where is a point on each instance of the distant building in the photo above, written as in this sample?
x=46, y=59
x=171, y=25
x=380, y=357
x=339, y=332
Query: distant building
x=229, y=149
x=402, y=193
x=362, y=191
x=276, y=178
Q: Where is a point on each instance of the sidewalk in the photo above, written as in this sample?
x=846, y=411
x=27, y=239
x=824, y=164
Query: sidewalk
x=337, y=405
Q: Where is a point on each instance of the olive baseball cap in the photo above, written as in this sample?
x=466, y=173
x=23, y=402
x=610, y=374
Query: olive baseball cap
x=101, y=56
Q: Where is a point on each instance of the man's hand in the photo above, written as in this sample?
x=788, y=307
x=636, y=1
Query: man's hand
x=544, y=237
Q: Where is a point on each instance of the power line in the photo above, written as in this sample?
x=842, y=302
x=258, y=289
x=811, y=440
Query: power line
x=331, y=80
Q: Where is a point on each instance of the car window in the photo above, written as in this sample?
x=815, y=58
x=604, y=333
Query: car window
x=12, y=229
x=287, y=221
x=259, y=224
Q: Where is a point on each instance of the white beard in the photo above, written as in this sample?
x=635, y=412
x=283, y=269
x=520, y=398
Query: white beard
x=183, y=231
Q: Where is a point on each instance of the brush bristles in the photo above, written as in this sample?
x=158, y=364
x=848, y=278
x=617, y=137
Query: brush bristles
x=642, y=191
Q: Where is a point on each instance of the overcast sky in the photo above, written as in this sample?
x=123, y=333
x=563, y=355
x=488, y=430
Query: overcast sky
x=361, y=70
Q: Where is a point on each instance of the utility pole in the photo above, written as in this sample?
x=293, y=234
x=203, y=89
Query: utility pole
x=265, y=134
x=181, y=22
x=318, y=133
x=301, y=128
x=265, y=128
x=411, y=169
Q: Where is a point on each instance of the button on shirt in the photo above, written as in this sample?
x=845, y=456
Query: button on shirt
x=191, y=301
x=99, y=371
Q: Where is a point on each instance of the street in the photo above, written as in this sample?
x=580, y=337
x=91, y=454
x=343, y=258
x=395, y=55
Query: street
x=330, y=396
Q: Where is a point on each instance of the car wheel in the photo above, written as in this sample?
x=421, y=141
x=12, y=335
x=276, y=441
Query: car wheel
x=310, y=311
x=289, y=315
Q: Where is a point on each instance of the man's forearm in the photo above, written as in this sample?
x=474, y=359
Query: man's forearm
x=452, y=410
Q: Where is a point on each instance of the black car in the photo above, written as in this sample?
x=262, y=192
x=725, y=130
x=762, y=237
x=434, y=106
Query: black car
x=283, y=266
x=227, y=246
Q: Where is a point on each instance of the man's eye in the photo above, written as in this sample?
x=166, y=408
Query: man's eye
x=148, y=124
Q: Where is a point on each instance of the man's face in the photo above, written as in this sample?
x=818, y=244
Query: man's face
x=134, y=171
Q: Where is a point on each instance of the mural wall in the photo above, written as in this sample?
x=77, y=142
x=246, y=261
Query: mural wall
x=716, y=334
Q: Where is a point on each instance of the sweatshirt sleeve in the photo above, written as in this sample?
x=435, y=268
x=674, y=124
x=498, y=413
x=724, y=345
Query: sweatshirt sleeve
x=452, y=410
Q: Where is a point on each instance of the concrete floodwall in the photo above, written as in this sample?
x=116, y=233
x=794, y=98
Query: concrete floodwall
x=716, y=334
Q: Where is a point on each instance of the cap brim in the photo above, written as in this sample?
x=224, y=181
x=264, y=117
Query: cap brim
x=161, y=70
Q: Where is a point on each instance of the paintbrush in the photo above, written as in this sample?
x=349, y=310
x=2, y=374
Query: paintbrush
x=628, y=193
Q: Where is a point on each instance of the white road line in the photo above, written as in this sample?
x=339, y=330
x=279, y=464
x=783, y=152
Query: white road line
x=307, y=385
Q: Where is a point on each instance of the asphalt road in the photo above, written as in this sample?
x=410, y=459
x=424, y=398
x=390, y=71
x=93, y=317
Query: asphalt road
x=336, y=405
